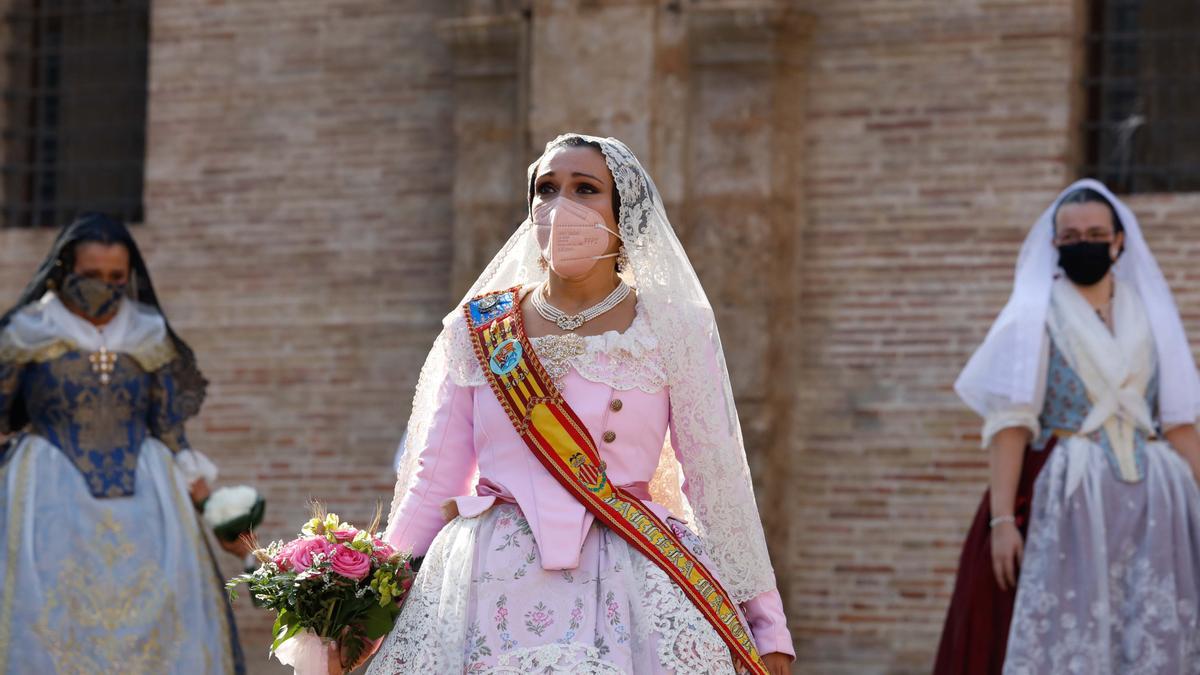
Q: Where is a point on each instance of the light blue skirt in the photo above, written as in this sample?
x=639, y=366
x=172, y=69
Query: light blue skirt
x=116, y=585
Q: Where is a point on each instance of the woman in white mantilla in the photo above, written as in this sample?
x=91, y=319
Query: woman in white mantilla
x=1097, y=361
x=524, y=578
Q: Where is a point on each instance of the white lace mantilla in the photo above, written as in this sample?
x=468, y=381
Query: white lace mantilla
x=625, y=360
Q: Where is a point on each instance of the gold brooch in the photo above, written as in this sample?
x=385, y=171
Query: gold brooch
x=104, y=363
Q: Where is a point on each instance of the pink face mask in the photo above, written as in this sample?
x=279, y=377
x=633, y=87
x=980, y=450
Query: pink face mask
x=572, y=237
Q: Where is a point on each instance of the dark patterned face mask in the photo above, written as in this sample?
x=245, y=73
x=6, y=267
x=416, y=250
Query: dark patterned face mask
x=92, y=297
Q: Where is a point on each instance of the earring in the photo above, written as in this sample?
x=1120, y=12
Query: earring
x=622, y=259
x=542, y=264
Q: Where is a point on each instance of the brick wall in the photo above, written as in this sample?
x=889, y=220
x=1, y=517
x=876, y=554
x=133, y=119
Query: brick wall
x=298, y=226
x=938, y=132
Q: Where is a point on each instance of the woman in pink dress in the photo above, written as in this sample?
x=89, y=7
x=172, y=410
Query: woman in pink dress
x=518, y=575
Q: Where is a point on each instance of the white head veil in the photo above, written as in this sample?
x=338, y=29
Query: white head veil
x=1005, y=368
x=719, y=489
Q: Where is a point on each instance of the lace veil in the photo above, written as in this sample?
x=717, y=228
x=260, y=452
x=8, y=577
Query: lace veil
x=719, y=494
x=1004, y=370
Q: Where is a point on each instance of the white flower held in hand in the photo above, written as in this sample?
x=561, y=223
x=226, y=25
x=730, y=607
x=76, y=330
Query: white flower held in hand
x=229, y=503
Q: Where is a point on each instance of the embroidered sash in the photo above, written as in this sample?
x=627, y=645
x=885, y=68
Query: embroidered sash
x=561, y=442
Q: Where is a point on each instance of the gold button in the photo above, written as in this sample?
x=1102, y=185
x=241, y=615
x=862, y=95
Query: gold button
x=616, y=405
x=609, y=437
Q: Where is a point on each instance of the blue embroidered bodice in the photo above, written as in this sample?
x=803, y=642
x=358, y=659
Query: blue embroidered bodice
x=1067, y=406
x=98, y=422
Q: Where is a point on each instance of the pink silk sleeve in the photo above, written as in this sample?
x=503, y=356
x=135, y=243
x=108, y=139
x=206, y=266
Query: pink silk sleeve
x=445, y=469
x=764, y=612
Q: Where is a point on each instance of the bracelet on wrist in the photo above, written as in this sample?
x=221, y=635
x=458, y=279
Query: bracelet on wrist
x=1002, y=519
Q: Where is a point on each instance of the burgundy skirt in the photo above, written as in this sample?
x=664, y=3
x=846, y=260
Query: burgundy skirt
x=976, y=632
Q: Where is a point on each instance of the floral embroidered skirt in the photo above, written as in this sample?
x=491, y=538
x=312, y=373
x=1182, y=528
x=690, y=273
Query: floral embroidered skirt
x=483, y=604
x=1110, y=581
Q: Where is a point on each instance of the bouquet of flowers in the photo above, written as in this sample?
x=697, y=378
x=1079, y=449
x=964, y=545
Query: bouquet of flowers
x=332, y=583
x=232, y=511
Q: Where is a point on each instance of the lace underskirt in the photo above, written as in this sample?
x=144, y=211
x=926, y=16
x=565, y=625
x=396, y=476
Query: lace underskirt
x=1110, y=581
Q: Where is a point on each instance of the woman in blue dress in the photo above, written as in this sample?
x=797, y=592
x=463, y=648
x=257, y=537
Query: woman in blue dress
x=105, y=566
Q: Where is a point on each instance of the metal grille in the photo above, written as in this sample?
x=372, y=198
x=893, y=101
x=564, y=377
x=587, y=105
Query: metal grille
x=1142, y=132
x=75, y=127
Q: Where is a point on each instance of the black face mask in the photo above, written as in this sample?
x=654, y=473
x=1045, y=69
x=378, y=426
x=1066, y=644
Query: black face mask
x=1086, y=262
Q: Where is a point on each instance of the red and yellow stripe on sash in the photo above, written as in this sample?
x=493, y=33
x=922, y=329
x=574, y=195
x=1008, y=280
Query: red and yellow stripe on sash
x=560, y=441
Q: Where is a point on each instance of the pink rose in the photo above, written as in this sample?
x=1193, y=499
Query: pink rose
x=350, y=563
x=343, y=536
x=300, y=553
x=382, y=550
x=283, y=559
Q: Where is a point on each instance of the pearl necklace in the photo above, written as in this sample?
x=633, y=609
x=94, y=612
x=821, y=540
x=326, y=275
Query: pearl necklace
x=570, y=322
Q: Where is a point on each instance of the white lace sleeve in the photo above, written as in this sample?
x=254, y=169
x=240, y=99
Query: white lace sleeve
x=1004, y=414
